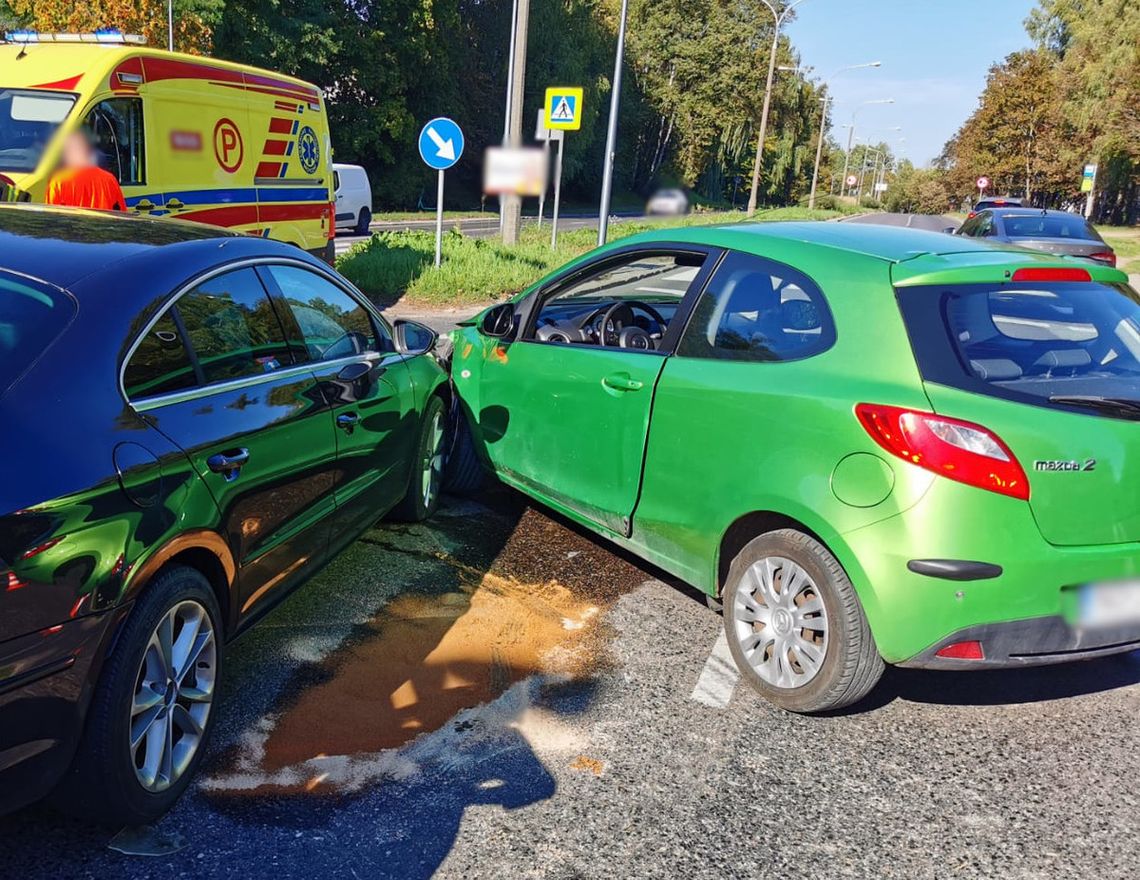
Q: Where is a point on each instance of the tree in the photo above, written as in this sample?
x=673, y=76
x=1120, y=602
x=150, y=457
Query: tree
x=193, y=18
x=1017, y=136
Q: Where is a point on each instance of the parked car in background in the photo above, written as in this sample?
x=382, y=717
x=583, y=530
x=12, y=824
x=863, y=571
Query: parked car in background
x=196, y=422
x=353, y=198
x=1056, y=232
x=187, y=137
x=668, y=203
x=994, y=202
x=875, y=444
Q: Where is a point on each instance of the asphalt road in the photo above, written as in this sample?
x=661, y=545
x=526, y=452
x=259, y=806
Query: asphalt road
x=497, y=694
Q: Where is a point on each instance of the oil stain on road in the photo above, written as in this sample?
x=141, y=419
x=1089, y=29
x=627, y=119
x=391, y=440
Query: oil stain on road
x=501, y=601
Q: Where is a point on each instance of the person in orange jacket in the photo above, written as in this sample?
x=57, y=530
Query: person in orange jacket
x=80, y=182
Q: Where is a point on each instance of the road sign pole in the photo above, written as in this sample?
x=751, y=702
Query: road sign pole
x=542, y=195
x=439, y=223
x=557, y=194
x=611, y=131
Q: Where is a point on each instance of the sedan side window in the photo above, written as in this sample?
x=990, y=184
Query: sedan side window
x=160, y=363
x=233, y=328
x=331, y=324
x=756, y=310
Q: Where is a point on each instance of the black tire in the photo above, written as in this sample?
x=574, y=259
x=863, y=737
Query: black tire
x=101, y=785
x=851, y=665
x=418, y=504
x=465, y=473
x=363, y=222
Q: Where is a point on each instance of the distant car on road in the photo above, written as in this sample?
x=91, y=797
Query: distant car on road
x=353, y=198
x=875, y=444
x=667, y=202
x=195, y=422
x=1056, y=232
x=994, y=202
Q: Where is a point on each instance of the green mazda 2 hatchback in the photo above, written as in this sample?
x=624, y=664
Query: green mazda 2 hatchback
x=874, y=445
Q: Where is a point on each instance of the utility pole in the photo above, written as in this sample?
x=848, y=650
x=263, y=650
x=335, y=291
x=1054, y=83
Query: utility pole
x=611, y=132
x=779, y=18
x=170, y=25
x=512, y=204
x=510, y=89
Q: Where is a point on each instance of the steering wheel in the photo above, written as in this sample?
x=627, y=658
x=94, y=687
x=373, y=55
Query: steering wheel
x=621, y=315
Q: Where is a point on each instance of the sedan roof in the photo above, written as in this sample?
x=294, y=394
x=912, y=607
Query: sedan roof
x=62, y=245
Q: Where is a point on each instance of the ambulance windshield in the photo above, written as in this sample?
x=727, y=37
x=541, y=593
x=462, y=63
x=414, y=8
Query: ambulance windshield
x=28, y=119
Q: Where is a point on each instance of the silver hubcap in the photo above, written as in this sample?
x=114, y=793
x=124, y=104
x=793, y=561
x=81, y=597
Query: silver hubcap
x=780, y=623
x=174, y=691
x=432, y=473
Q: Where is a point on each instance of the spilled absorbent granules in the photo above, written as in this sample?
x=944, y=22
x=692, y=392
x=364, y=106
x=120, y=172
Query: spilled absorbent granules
x=426, y=657
x=431, y=657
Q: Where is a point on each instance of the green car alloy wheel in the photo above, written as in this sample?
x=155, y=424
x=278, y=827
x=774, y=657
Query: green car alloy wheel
x=875, y=444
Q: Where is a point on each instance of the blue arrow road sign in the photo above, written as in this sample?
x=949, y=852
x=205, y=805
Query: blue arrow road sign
x=441, y=143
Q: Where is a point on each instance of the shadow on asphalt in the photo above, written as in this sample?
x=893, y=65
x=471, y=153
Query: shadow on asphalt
x=1002, y=687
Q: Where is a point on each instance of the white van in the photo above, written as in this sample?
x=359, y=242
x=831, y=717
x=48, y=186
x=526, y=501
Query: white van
x=353, y=198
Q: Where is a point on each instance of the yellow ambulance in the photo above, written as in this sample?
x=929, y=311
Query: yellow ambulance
x=187, y=137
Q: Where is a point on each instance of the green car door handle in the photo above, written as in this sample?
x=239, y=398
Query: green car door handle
x=622, y=382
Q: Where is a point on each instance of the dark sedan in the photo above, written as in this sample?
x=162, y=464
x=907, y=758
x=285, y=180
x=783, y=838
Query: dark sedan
x=194, y=422
x=1055, y=232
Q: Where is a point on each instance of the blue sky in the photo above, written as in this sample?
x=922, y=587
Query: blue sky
x=935, y=56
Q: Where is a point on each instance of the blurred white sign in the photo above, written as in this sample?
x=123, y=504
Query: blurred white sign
x=520, y=172
x=542, y=133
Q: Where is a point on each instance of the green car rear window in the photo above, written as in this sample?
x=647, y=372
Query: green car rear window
x=1028, y=342
x=32, y=315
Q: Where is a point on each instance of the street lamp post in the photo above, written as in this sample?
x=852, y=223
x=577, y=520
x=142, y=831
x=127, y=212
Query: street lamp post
x=611, y=131
x=823, y=123
x=779, y=17
x=851, y=135
x=170, y=25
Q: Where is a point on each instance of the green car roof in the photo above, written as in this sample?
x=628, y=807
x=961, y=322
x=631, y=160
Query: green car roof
x=917, y=256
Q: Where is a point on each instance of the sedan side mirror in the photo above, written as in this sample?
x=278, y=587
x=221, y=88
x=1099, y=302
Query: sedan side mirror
x=413, y=338
x=498, y=322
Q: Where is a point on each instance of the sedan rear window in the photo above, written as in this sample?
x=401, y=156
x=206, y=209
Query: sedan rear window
x=1031, y=343
x=1049, y=226
x=31, y=316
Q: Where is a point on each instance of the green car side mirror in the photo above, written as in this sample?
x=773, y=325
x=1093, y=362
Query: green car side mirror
x=498, y=322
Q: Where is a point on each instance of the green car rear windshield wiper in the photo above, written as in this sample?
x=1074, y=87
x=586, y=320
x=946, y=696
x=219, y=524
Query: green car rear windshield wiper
x=1118, y=405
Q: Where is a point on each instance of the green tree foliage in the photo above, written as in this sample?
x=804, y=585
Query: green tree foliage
x=917, y=191
x=692, y=94
x=1045, y=113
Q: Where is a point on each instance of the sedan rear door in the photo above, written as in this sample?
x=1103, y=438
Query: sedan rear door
x=216, y=375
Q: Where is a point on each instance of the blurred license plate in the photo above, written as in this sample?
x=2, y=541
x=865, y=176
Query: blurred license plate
x=1110, y=604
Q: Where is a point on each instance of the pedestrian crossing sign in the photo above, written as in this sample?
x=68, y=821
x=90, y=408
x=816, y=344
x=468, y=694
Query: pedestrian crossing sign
x=564, y=108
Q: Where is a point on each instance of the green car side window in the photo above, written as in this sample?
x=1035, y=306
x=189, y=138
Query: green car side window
x=756, y=310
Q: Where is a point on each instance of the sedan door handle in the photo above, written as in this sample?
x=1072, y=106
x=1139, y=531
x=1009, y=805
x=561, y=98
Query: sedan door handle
x=347, y=421
x=228, y=463
x=622, y=382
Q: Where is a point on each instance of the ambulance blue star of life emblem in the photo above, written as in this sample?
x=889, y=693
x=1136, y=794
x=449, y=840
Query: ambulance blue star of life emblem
x=308, y=150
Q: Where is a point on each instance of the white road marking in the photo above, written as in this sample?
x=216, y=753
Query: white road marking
x=718, y=678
